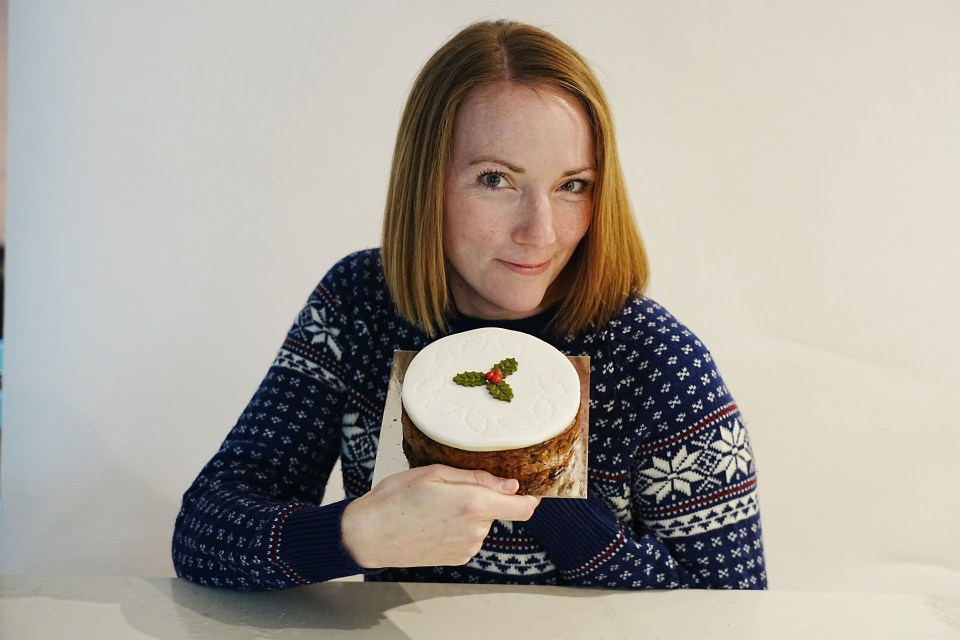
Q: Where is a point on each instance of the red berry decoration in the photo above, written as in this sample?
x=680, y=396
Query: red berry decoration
x=494, y=376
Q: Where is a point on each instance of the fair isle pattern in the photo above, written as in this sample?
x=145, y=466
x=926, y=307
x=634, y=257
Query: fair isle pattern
x=704, y=485
x=514, y=555
x=672, y=479
x=312, y=347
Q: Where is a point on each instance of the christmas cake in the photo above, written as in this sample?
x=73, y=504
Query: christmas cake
x=492, y=399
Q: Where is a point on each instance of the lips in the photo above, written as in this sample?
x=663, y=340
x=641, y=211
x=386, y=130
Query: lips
x=525, y=268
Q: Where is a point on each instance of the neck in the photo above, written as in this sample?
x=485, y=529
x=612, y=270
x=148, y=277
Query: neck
x=535, y=325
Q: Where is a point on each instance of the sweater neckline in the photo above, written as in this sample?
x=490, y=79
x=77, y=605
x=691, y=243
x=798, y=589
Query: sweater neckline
x=535, y=325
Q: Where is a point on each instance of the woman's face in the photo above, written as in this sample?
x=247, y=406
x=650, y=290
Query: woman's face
x=517, y=197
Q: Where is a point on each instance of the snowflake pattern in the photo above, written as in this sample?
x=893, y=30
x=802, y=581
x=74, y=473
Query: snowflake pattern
x=669, y=476
x=320, y=331
x=359, y=446
x=735, y=450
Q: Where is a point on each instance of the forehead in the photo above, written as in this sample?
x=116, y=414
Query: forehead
x=512, y=115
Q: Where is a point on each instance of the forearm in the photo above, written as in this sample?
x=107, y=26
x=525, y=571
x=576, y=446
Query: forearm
x=590, y=547
x=245, y=497
x=222, y=537
x=233, y=538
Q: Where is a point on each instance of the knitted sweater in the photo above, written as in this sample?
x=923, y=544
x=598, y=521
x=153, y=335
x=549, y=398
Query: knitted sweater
x=672, y=488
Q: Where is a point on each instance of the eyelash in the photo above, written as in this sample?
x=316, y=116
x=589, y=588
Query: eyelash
x=484, y=174
x=585, y=183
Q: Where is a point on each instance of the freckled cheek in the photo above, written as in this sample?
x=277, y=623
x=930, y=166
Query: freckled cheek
x=471, y=233
x=572, y=231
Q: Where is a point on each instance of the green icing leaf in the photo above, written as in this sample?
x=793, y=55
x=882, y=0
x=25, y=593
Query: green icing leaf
x=508, y=366
x=470, y=378
x=500, y=391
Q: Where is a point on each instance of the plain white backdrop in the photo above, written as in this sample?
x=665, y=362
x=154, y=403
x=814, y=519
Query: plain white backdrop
x=181, y=174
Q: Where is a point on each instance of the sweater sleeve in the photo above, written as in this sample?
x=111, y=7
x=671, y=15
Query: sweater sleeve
x=711, y=542
x=592, y=548
x=681, y=509
x=252, y=518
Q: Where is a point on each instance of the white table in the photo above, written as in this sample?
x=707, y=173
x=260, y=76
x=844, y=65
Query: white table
x=107, y=608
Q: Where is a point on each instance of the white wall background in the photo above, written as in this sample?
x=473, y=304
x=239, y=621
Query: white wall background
x=181, y=173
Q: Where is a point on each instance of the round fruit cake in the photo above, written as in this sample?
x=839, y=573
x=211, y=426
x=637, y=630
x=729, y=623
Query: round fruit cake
x=492, y=399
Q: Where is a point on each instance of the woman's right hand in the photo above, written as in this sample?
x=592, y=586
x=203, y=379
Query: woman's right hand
x=429, y=516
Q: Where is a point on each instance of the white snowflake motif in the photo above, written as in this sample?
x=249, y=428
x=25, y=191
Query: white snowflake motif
x=621, y=506
x=322, y=333
x=360, y=447
x=734, y=449
x=670, y=476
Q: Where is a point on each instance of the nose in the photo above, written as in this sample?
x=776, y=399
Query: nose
x=535, y=222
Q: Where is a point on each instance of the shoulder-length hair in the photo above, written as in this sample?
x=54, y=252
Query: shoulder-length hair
x=610, y=263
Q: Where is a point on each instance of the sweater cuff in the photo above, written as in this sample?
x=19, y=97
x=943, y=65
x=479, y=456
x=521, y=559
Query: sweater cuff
x=309, y=547
x=573, y=531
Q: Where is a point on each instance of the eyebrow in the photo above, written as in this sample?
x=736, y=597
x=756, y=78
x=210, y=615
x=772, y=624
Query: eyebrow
x=516, y=169
x=482, y=159
x=574, y=172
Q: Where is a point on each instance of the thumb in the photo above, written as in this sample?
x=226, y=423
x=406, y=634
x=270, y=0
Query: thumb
x=506, y=486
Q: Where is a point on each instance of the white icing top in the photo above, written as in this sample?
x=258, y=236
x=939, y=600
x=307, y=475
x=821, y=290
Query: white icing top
x=546, y=391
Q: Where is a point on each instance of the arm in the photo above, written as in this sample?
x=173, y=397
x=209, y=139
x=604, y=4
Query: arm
x=592, y=548
x=246, y=519
x=672, y=481
x=259, y=483
x=713, y=543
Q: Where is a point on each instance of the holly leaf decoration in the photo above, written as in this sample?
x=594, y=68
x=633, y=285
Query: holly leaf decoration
x=470, y=378
x=492, y=379
x=508, y=366
x=500, y=391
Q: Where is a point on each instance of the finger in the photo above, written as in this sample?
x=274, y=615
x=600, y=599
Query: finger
x=506, y=486
x=517, y=508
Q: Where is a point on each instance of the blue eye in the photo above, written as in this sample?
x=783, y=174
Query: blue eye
x=493, y=180
x=575, y=186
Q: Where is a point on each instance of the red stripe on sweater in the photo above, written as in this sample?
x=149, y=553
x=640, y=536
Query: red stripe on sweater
x=319, y=358
x=686, y=434
x=275, y=544
x=617, y=544
x=716, y=497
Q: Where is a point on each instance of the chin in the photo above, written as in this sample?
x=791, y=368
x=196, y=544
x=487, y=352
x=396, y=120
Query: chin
x=504, y=302
x=519, y=308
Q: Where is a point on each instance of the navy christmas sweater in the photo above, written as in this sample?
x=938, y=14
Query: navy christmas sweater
x=672, y=485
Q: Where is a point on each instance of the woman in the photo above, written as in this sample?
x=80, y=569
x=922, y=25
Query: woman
x=506, y=207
